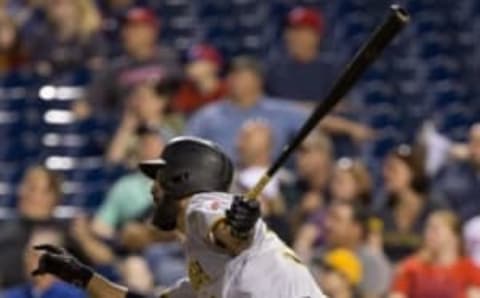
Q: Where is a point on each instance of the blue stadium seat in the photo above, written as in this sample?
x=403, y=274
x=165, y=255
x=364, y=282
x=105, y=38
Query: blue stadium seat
x=443, y=68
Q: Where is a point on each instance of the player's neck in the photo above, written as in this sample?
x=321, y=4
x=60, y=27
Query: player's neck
x=182, y=215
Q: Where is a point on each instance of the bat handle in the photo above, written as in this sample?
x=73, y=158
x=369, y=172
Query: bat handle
x=253, y=193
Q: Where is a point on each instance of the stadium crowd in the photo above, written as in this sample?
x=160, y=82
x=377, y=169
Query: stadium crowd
x=89, y=88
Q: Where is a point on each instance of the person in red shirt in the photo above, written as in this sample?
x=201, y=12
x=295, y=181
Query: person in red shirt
x=203, y=83
x=438, y=270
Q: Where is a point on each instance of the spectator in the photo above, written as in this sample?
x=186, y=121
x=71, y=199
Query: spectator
x=45, y=286
x=338, y=273
x=112, y=13
x=405, y=205
x=306, y=194
x=143, y=62
x=458, y=184
x=39, y=195
x=221, y=121
x=69, y=40
x=13, y=55
x=24, y=11
x=254, y=143
x=129, y=198
x=203, y=84
x=438, y=269
x=471, y=235
x=350, y=183
x=146, y=111
x=300, y=73
x=346, y=227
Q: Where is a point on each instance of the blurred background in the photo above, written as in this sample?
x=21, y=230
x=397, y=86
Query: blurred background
x=382, y=200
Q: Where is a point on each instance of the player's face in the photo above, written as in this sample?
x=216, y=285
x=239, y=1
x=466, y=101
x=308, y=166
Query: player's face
x=166, y=209
x=157, y=193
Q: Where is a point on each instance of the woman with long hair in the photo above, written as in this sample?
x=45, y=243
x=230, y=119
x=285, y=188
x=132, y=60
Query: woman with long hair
x=406, y=203
x=69, y=40
x=439, y=268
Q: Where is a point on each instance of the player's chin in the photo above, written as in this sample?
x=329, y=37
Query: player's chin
x=165, y=216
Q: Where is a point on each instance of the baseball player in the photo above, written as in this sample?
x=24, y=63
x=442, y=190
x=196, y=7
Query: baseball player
x=230, y=251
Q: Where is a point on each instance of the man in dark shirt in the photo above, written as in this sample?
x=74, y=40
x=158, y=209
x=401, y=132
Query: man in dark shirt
x=300, y=73
x=143, y=62
x=458, y=184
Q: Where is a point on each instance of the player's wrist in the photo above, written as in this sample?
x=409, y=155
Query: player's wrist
x=242, y=217
x=82, y=276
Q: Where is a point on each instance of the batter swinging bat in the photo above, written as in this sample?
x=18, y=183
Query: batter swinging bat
x=382, y=36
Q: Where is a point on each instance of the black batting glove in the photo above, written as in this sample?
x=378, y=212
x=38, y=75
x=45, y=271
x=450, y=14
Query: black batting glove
x=242, y=216
x=57, y=261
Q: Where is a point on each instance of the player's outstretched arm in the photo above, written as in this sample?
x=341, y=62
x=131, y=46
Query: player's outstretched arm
x=235, y=233
x=57, y=261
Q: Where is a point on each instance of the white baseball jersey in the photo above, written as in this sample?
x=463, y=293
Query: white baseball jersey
x=268, y=268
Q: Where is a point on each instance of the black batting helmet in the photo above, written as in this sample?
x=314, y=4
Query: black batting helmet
x=189, y=165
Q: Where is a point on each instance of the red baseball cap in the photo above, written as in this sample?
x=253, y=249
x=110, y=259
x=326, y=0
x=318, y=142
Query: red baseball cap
x=141, y=15
x=204, y=52
x=306, y=17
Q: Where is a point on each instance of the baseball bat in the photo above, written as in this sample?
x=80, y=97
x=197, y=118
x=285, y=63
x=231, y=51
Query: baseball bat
x=367, y=54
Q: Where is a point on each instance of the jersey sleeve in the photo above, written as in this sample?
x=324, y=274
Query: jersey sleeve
x=204, y=212
x=181, y=289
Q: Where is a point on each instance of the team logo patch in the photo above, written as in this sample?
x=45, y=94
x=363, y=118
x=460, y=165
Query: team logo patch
x=215, y=205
